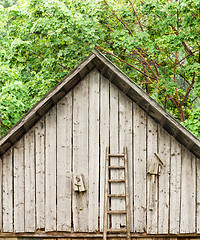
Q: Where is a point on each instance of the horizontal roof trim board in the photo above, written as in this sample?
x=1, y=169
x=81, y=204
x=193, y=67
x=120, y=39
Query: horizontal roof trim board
x=117, y=77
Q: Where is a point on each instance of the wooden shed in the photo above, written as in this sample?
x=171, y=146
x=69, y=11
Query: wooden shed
x=52, y=168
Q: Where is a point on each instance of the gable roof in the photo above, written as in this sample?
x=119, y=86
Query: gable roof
x=117, y=77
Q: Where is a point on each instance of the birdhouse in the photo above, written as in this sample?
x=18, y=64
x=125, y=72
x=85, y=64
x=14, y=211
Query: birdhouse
x=154, y=165
x=79, y=183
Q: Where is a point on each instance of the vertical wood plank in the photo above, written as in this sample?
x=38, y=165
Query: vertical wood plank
x=80, y=153
x=93, y=189
x=29, y=181
x=139, y=170
x=187, y=224
x=7, y=192
x=104, y=140
x=175, y=186
x=152, y=180
x=125, y=140
x=19, y=186
x=164, y=153
x=116, y=188
x=64, y=153
x=198, y=195
x=40, y=174
x=50, y=204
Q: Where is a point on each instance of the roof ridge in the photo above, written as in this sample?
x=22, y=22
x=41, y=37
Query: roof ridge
x=123, y=82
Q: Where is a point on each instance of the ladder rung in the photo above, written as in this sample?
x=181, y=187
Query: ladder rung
x=116, y=155
x=116, y=180
x=117, y=230
x=117, y=212
x=116, y=195
x=116, y=167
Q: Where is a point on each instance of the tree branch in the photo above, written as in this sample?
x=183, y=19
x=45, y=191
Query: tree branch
x=147, y=81
x=195, y=99
x=175, y=69
x=184, y=43
x=184, y=78
x=185, y=57
x=188, y=91
x=135, y=50
x=124, y=24
x=147, y=63
x=199, y=55
x=126, y=63
x=109, y=27
x=146, y=75
x=172, y=100
x=136, y=16
x=63, y=66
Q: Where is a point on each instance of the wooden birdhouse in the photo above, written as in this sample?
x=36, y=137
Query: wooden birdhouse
x=79, y=183
x=154, y=165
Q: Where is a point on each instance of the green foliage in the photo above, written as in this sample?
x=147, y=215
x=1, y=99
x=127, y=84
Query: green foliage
x=156, y=43
x=7, y=3
x=193, y=123
x=54, y=36
x=13, y=104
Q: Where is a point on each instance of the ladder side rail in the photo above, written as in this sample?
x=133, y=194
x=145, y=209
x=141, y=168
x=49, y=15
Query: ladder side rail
x=127, y=196
x=105, y=223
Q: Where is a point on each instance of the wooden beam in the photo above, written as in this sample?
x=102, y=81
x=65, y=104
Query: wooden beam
x=91, y=65
x=12, y=140
x=88, y=68
x=175, y=134
x=2, y=151
x=163, y=121
x=139, y=101
x=72, y=83
x=83, y=72
x=43, y=234
x=26, y=127
x=99, y=66
x=112, y=77
x=148, y=108
x=190, y=145
x=39, y=113
x=103, y=71
x=126, y=89
x=54, y=99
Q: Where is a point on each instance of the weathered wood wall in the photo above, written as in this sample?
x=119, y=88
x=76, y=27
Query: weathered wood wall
x=36, y=174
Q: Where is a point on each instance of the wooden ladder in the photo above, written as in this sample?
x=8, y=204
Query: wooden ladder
x=108, y=195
